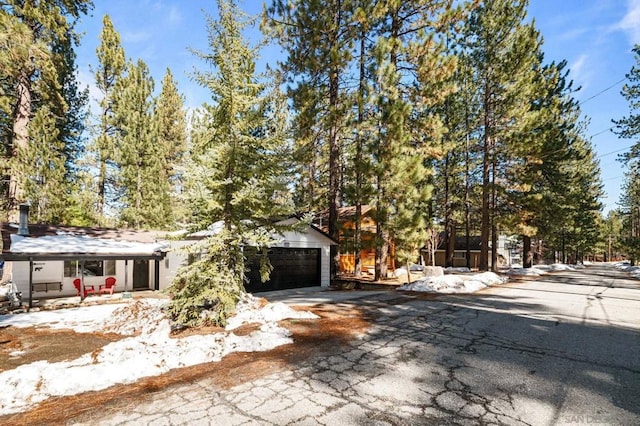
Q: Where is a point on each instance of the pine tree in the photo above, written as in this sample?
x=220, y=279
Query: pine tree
x=111, y=65
x=140, y=156
x=503, y=52
x=629, y=127
x=412, y=69
x=172, y=136
x=317, y=37
x=46, y=170
x=358, y=188
x=39, y=75
x=235, y=173
x=452, y=169
x=72, y=129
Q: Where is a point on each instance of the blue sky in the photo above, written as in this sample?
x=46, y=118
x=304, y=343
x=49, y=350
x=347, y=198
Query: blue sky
x=594, y=36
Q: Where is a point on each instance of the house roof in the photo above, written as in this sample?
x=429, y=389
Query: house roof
x=47, y=242
x=216, y=227
x=319, y=232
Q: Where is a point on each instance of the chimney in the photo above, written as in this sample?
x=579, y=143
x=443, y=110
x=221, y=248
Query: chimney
x=23, y=228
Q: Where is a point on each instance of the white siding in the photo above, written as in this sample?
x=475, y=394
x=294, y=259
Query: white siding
x=311, y=239
x=53, y=271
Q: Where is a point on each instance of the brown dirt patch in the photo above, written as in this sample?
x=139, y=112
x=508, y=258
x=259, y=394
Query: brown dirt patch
x=37, y=344
x=338, y=325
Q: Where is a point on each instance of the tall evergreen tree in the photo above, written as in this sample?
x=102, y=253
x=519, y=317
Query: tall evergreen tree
x=73, y=131
x=629, y=127
x=412, y=70
x=141, y=157
x=236, y=174
x=40, y=78
x=170, y=118
x=358, y=188
x=111, y=65
x=503, y=51
x=317, y=37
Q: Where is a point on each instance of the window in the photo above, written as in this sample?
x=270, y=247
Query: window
x=459, y=255
x=92, y=268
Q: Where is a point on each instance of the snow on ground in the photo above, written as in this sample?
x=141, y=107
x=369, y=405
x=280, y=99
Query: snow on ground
x=537, y=270
x=456, y=270
x=149, y=351
x=634, y=271
x=455, y=283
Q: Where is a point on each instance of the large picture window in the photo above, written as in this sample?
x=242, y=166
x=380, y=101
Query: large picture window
x=92, y=268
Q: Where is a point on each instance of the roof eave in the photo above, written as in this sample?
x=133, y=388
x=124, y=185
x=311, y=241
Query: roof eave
x=17, y=257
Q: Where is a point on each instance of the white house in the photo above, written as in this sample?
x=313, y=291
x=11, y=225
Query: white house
x=300, y=258
x=45, y=263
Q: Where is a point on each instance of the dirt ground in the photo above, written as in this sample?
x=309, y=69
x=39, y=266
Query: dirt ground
x=338, y=325
x=50, y=345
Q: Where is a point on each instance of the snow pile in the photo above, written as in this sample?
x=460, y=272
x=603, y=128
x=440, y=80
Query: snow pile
x=150, y=352
x=138, y=317
x=455, y=283
x=530, y=272
x=458, y=270
x=562, y=267
x=85, y=319
x=249, y=311
x=625, y=266
x=537, y=270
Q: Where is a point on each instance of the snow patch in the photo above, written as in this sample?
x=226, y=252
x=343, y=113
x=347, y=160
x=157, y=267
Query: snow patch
x=248, y=311
x=149, y=351
x=455, y=283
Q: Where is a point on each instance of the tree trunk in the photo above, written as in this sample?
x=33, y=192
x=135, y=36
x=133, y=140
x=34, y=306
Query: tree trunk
x=494, y=225
x=450, y=235
x=526, y=252
x=138, y=195
x=494, y=247
x=102, y=182
x=334, y=156
x=20, y=141
x=382, y=236
x=357, y=240
x=467, y=189
x=382, y=252
x=485, y=226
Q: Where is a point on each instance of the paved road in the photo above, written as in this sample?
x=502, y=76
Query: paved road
x=561, y=349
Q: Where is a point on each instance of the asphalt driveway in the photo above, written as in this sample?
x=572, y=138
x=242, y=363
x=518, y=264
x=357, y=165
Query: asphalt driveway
x=560, y=349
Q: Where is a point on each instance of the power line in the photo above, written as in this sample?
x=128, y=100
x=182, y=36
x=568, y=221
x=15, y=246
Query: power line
x=613, y=152
x=603, y=91
x=601, y=132
x=613, y=178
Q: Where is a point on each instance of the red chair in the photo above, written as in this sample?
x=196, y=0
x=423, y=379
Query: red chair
x=88, y=289
x=108, y=286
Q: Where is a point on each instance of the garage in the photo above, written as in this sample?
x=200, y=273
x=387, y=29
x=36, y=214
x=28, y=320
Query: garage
x=292, y=268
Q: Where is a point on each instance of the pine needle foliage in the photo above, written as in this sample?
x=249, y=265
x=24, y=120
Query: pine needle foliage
x=235, y=176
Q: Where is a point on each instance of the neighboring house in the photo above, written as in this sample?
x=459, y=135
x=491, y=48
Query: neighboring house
x=347, y=226
x=460, y=252
x=505, y=254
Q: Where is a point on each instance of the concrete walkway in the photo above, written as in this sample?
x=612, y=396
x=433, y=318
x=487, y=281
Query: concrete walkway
x=563, y=349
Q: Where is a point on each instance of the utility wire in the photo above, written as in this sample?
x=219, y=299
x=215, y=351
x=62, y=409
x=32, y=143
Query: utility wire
x=603, y=91
x=613, y=152
x=601, y=132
